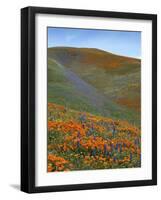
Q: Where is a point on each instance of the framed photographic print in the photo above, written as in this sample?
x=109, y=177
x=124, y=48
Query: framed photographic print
x=88, y=99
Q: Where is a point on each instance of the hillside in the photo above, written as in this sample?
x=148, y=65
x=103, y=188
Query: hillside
x=95, y=81
x=90, y=56
x=82, y=141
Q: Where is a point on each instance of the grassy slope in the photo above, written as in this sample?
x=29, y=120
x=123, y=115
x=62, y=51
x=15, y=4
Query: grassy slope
x=77, y=139
x=119, y=77
x=62, y=91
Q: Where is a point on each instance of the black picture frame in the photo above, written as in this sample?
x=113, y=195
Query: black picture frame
x=28, y=98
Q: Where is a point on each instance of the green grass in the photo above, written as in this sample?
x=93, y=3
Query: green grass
x=96, y=67
x=61, y=91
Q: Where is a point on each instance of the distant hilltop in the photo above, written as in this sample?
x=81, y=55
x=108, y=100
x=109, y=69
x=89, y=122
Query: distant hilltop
x=90, y=56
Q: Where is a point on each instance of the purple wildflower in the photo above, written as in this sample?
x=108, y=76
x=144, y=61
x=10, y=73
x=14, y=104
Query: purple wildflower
x=114, y=158
x=93, y=153
x=78, y=144
x=78, y=134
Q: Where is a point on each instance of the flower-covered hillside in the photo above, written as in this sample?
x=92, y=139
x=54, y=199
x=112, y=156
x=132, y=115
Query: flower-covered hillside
x=82, y=141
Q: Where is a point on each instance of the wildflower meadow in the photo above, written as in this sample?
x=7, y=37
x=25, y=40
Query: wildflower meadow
x=82, y=141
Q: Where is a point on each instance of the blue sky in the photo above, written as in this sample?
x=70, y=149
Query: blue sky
x=118, y=42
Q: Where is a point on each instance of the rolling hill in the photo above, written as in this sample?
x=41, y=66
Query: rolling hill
x=95, y=81
x=90, y=56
